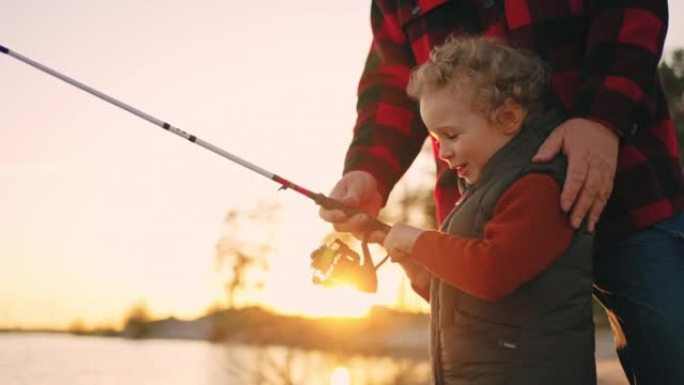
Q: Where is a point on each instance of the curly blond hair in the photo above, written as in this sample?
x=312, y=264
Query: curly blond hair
x=490, y=69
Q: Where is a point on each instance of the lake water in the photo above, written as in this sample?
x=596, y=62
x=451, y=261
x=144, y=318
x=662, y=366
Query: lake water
x=54, y=359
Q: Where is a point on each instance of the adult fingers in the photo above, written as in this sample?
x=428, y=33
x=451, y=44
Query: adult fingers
x=344, y=193
x=587, y=195
x=397, y=255
x=595, y=213
x=354, y=224
x=578, y=169
x=332, y=216
x=377, y=237
x=605, y=189
x=551, y=147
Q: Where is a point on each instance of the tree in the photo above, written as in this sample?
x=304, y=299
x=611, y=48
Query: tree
x=77, y=327
x=243, y=248
x=672, y=80
x=137, y=322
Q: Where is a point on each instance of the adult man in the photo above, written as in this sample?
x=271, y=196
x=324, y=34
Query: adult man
x=603, y=56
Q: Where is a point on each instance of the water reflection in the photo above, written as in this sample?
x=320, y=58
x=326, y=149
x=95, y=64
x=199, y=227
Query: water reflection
x=340, y=376
x=37, y=359
x=289, y=366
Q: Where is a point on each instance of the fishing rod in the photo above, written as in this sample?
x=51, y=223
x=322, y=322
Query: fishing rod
x=333, y=264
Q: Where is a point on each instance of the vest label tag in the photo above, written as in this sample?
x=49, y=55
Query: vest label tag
x=507, y=344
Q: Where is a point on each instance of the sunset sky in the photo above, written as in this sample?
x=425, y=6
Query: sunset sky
x=100, y=209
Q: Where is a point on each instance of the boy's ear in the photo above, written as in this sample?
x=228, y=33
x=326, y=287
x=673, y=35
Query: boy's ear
x=510, y=116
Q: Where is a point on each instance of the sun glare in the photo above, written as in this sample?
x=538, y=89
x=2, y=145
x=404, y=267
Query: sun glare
x=340, y=376
x=294, y=293
x=331, y=302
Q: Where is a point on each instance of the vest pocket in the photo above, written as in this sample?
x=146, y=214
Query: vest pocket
x=473, y=346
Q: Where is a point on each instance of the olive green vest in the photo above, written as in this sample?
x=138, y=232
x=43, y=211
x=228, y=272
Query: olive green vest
x=542, y=333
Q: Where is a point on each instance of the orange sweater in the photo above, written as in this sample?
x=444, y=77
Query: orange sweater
x=527, y=232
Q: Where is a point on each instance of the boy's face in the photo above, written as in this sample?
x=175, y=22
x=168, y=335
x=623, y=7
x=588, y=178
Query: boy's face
x=467, y=138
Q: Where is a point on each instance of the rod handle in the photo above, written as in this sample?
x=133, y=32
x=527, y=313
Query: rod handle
x=333, y=204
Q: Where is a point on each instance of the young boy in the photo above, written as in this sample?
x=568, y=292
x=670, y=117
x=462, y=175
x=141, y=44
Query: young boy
x=507, y=277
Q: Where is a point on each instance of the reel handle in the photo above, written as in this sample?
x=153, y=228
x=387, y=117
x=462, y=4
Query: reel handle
x=333, y=204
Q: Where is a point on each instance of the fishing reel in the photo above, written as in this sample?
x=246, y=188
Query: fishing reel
x=337, y=264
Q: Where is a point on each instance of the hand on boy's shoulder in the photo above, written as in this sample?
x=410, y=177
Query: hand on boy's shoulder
x=592, y=150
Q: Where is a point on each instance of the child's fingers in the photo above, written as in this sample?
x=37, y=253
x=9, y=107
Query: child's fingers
x=397, y=255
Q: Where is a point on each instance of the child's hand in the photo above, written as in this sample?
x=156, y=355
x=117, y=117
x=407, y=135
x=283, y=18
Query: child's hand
x=399, y=241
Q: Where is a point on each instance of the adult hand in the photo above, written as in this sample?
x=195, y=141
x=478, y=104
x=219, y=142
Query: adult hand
x=359, y=190
x=592, y=151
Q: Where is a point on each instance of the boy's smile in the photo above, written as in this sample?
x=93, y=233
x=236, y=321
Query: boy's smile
x=460, y=170
x=467, y=138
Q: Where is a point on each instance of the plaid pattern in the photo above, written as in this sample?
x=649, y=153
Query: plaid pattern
x=603, y=56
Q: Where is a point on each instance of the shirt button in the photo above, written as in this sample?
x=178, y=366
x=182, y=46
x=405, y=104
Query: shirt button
x=415, y=10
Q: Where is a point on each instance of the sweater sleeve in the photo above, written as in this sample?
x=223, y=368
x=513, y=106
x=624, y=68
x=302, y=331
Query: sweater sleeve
x=423, y=291
x=388, y=133
x=527, y=232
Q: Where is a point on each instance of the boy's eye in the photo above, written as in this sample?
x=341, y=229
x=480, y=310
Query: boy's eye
x=444, y=135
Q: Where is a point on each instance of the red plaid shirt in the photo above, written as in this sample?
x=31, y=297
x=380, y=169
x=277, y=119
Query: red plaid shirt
x=603, y=57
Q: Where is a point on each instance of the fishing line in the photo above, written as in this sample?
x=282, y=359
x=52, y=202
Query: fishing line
x=320, y=199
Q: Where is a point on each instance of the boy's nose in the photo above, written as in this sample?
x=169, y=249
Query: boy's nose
x=444, y=153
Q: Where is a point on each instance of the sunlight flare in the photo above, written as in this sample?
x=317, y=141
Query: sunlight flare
x=340, y=376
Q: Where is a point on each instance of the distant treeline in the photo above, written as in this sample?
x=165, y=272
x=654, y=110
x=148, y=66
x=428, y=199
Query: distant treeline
x=381, y=331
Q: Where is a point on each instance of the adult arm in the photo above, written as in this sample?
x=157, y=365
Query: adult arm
x=624, y=45
x=388, y=133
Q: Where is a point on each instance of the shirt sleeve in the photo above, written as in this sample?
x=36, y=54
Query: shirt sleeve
x=624, y=45
x=527, y=232
x=388, y=133
x=423, y=291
